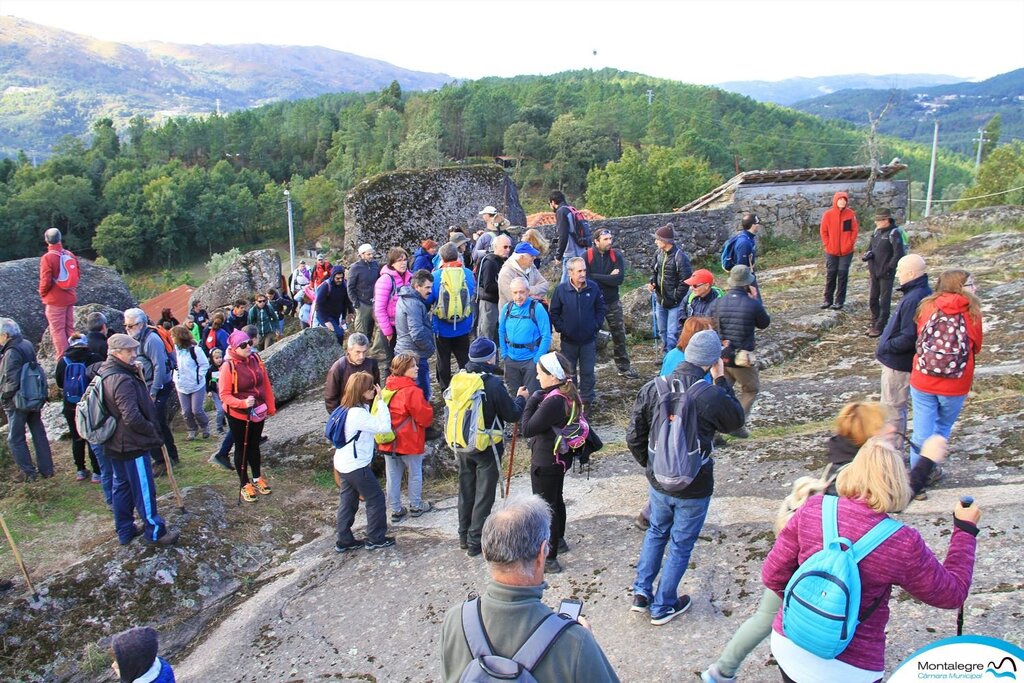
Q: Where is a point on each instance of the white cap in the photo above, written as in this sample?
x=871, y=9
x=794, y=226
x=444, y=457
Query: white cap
x=365, y=248
x=488, y=209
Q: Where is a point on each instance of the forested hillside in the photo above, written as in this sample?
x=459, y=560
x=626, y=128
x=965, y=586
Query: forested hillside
x=162, y=195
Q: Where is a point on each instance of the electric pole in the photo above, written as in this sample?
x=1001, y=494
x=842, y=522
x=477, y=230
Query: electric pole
x=650, y=97
x=931, y=172
x=981, y=140
x=291, y=233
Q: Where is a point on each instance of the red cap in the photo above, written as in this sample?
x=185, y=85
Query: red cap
x=701, y=277
x=428, y=244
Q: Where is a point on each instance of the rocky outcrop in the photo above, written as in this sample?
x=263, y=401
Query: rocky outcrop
x=300, y=362
x=406, y=207
x=636, y=309
x=115, y=321
x=19, y=293
x=255, y=271
x=993, y=217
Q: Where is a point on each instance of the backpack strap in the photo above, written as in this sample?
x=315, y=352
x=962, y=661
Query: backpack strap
x=473, y=629
x=829, y=519
x=875, y=537
x=541, y=640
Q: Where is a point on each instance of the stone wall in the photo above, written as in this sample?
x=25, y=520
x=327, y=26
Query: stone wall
x=407, y=207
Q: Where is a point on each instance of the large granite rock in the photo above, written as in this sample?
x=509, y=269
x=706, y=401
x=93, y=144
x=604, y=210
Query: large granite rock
x=406, y=207
x=300, y=362
x=115, y=321
x=254, y=271
x=19, y=293
x=636, y=310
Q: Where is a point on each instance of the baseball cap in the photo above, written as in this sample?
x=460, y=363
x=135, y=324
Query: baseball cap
x=700, y=277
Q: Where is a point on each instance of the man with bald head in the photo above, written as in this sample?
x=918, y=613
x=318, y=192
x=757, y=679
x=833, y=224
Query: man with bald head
x=898, y=341
x=56, y=290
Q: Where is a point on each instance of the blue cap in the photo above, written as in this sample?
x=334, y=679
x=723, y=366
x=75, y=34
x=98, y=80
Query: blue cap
x=526, y=248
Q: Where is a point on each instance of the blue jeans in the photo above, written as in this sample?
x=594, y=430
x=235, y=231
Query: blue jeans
x=582, y=359
x=394, y=466
x=933, y=414
x=668, y=326
x=675, y=522
x=106, y=473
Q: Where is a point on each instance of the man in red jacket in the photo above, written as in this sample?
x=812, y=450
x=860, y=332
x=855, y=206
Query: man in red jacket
x=838, y=236
x=57, y=292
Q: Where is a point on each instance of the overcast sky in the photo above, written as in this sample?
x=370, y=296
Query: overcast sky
x=695, y=42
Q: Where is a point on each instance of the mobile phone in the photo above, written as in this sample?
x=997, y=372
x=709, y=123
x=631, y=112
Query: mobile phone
x=571, y=608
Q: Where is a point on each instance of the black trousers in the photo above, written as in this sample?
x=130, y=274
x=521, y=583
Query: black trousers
x=247, y=447
x=837, y=274
x=478, y=478
x=79, y=446
x=548, y=482
x=879, y=299
x=446, y=346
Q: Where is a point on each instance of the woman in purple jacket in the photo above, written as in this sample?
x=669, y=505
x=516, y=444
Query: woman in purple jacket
x=874, y=484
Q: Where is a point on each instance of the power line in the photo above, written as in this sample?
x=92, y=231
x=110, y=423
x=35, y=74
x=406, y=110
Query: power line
x=967, y=199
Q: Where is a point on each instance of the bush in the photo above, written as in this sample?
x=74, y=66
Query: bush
x=219, y=262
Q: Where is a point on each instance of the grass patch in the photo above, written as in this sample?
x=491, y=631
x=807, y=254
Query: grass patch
x=783, y=251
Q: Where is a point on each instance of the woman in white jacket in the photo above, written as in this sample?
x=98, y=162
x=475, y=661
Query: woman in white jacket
x=190, y=381
x=352, y=465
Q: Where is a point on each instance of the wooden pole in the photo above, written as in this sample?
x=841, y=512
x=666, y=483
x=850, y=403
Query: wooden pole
x=17, y=558
x=170, y=478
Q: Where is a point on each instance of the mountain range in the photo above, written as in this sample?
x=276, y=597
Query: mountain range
x=791, y=90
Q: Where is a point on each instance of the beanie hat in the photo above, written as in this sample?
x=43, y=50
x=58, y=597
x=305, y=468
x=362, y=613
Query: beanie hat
x=481, y=349
x=666, y=234
x=740, y=276
x=704, y=349
x=237, y=338
x=134, y=651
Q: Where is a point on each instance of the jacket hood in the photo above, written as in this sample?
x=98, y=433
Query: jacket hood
x=337, y=269
x=77, y=354
x=391, y=271
x=395, y=382
x=841, y=450
x=840, y=195
x=406, y=291
x=473, y=366
x=948, y=302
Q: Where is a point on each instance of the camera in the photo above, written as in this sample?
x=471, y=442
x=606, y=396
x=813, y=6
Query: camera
x=868, y=256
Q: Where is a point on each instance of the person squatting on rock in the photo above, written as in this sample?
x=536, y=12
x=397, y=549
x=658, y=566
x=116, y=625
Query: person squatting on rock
x=332, y=304
x=838, y=238
x=524, y=330
x=58, y=279
x=71, y=378
x=515, y=544
x=190, y=380
x=15, y=351
x=248, y=399
x=411, y=416
x=487, y=286
x=668, y=283
x=882, y=257
x=577, y=312
x=367, y=415
x=606, y=266
x=135, y=657
x=677, y=518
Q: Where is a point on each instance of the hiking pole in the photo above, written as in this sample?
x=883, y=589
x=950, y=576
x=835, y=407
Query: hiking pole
x=966, y=501
x=245, y=448
x=654, y=319
x=17, y=558
x=511, y=457
x=170, y=478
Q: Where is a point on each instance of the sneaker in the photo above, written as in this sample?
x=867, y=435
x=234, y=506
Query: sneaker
x=551, y=566
x=463, y=543
x=221, y=460
x=629, y=373
x=563, y=547
x=345, y=547
x=836, y=307
x=95, y=479
x=170, y=537
x=262, y=486
x=81, y=475
x=399, y=515
x=640, y=603
x=473, y=552
x=137, y=531
x=825, y=304
x=740, y=433
x=720, y=440
x=682, y=604
x=221, y=430
x=206, y=434
x=248, y=493
x=425, y=506
x=433, y=434
x=713, y=675
x=921, y=496
x=642, y=523
x=386, y=542
x=191, y=436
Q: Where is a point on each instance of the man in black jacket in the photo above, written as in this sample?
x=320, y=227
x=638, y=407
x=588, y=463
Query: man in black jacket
x=607, y=267
x=883, y=254
x=677, y=518
x=15, y=351
x=487, y=286
x=479, y=472
x=898, y=342
x=362, y=277
x=577, y=311
x=668, y=282
x=126, y=399
x=737, y=315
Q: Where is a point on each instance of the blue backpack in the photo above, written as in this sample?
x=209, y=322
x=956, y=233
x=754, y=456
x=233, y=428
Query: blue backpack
x=821, y=605
x=74, y=381
x=334, y=430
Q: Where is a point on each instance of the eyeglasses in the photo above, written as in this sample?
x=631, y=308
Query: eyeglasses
x=402, y=258
x=261, y=301
x=132, y=326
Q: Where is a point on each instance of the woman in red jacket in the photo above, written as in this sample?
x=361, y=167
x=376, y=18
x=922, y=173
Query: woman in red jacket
x=940, y=380
x=838, y=237
x=874, y=484
x=410, y=417
x=248, y=399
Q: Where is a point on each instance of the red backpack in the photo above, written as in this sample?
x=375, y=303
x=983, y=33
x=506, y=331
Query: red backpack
x=67, y=277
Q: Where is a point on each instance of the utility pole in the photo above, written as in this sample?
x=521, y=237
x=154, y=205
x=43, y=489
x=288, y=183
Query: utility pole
x=291, y=233
x=981, y=140
x=931, y=172
x=650, y=97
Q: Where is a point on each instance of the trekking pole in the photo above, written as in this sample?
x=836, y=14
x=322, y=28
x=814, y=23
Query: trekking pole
x=170, y=478
x=966, y=501
x=654, y=319
x=17, y=558
x=511, y=457
x=245, y=448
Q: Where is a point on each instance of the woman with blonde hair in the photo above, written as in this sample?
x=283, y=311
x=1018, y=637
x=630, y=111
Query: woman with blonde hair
x=536, y=239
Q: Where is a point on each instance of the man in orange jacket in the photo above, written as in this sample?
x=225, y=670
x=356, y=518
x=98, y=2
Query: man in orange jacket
x=57, y=289
x=838, y=236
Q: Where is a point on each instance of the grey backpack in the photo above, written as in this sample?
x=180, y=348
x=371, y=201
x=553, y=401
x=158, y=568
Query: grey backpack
x=673, y=449
x=487, y=666
x=94, y=423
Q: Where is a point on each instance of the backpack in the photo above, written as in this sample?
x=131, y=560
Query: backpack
x=533, y=318
x=943, y=347
x=211, y=339
x=464, y=428
x=729, y=253
x=821, y=604
x=94, y=423
x=487, y=666
x=165, y=337
x=589, y=258
x=334, y=430
x=897, y=236
x=74, y=381
x=453, y=302
x=580, y=232
x=575, y=432
x=67, y=278
x=388, y=437
x=32, y=391
x=673, y=447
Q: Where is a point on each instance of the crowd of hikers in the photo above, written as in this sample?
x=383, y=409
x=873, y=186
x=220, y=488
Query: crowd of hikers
x=483, y=300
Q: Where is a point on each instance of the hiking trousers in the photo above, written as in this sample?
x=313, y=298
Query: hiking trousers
x=548, y=482
x=895, y=397
x=160, y=402
x=446, y=347
x=582, y=360
x=78, y=444
x=17, y=420
x=750, y=634
x=521, y=373
x=478, y=477
x=364, y=321
x=837, y=274
x=747, y=383
x=134, y=491
x=616, y=324
x=61, y=320
x=246, y=435
x=363, y=483
x=879, y=300
x=487, y=323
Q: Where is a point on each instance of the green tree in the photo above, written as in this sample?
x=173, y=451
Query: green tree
x=523, y=141
x=119, y=241
x=419, y=150
x=1002, y=171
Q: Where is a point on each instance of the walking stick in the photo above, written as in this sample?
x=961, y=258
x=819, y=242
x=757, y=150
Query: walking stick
x=511, y=457
x=245, y=449
x=170, y=477
x=966, y=501
x=17, y=558
x=654, y=319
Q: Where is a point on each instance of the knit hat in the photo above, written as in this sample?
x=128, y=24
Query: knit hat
x=700, y=277
x=78, y=341
x=428, y=244
x=121, y=341
x=134, y=651
x=883, y=214
x=740, y=276
x=666, y=234
x=482, y=349
x=526, y=248
x=704, y=349
x=237, y=338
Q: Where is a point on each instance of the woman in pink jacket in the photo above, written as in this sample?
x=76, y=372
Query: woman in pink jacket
x=874, y=484
x=393, y=277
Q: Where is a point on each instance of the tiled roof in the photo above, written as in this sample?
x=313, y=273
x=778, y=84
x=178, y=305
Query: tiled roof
x=176, y=300
x=548, y=218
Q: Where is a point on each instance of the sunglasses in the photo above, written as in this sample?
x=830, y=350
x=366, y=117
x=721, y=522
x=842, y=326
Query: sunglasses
x=243, y=345
x=261, y=301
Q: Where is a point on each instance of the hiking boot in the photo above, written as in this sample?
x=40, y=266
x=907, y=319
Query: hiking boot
x=551, y=566
x=81, y=475
x=825, y=304
x=640, y=603
x=682, y=604
x=248, y=493
x=713, y=675
x=20, y=477
x=170, y=537
x=96, y=478
x=206, y=434
x=740, y=433
x=473, y=552
x=629, y=373
x=642, y=523
x=191, y=435
x=720, y=440
x=874, y=331
x=137, y=530
x=563, y=547
x=221, y=460
x=425, y=506
x=386, y=542
x=836, y=307
x=345, y=547
x=463, y=543
x=6, y=585
x=433, y=434
x=398, y=515
x=923, y=495
x=936, y=476
x=262, y=487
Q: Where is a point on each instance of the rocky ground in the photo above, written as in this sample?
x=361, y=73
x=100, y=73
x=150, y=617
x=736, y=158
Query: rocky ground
x=257, y=593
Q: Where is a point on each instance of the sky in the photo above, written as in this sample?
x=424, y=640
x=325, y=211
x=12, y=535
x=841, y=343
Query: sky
x=691, y=41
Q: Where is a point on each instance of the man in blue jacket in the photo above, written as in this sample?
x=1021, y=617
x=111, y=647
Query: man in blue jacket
x=577, y=311
x=898, y=341
x=524, y=331
x=332, y=303
x=452, y=296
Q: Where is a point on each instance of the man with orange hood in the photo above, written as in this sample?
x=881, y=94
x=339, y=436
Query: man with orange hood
x=838, y=236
